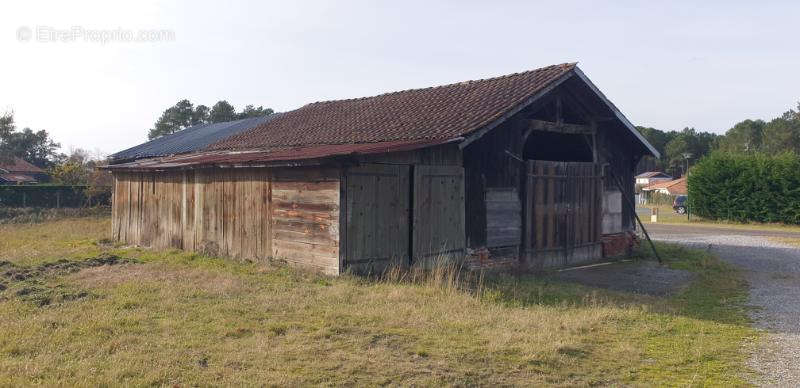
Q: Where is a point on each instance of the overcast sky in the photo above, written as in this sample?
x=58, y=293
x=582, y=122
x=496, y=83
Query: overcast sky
x=671, y=65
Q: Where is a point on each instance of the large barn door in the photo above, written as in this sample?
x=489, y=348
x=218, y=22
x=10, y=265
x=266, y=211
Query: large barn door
x=562, y=213
x=377, y=211
x=438, y=219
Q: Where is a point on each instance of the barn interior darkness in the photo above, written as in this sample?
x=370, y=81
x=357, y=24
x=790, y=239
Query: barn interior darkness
x=559, y=147
x=555, y=146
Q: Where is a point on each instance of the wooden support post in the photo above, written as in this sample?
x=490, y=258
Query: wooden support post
x=559, y=110
x=632, y=208
x=594, y=141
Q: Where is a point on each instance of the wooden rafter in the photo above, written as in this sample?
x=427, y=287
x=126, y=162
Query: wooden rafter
x=541, y=125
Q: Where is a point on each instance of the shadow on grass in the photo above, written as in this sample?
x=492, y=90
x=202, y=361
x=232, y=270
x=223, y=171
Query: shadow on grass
x=716, y=292
x=710, y=289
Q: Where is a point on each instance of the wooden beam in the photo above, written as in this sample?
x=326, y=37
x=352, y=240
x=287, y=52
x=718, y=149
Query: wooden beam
x=540, y=125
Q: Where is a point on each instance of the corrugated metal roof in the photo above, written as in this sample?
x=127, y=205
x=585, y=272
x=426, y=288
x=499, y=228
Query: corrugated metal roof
x=190, y=139
x=251, y=158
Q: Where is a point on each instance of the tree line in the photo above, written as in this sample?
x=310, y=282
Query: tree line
x=36, y=147
x=78, y=166
x=185, y=114
x=677, y=148
x=681, y=148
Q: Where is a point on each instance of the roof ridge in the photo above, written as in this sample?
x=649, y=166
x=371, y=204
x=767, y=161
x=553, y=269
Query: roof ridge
x=566, y=65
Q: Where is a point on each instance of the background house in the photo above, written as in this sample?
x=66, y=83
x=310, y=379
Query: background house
x=672, y=187
x=530, y=169
x=16, y=171
x=651, y=177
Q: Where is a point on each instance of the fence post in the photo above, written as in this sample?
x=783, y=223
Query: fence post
x=23, y=199
x=58, y=199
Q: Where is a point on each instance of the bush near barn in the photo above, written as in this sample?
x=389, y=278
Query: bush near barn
x=746, y=187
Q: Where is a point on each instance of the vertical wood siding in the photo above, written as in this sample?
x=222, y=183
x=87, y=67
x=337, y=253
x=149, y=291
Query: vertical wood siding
x=563, y=213
x=243, y=213
x=438, y=213
x=377, y=200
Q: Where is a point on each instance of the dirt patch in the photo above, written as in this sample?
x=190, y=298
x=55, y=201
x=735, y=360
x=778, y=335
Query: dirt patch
x=641, y=277
x=30, y=283
x=12, y=272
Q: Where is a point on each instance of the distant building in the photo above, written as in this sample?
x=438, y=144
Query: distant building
x=651, y=177
x=673, y=187
x=19, y=172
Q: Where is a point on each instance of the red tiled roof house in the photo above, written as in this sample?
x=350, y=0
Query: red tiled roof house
x=16, y=171
x=671, y=187
x=519, y=169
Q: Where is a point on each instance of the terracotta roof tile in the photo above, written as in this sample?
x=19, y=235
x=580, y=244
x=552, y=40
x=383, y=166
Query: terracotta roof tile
x=675, y=187
x=435, y=113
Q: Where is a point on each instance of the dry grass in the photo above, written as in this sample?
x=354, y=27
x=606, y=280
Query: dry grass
x=183, y=319
x=33, y=243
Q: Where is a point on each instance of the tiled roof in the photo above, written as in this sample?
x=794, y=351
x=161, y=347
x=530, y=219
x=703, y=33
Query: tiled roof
x=190, y=139
x=435, y=113
x=20, y=165
x=675, y=187
x=17, y=178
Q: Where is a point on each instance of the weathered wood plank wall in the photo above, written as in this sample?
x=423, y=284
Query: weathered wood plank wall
x=377, y=200
x=503, y=218
x=244, y=213
x=306, y=218
x=438, y=230
x=563, y=213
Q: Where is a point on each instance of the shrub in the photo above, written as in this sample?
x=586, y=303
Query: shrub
x=746, y=187
x=54, y=196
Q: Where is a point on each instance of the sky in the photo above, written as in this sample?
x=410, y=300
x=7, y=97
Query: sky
x=97, y=75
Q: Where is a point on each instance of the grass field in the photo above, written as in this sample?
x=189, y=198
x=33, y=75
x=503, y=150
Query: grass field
x=667, y=216
x=173, y=318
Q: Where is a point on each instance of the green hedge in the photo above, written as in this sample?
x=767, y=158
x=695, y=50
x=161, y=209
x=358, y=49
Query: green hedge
x=51, y=196
x=746, y=187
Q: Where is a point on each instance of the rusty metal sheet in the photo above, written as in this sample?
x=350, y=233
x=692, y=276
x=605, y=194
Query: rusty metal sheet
x=256, y=158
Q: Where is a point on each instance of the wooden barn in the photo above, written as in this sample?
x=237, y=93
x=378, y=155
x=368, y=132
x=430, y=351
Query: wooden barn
x=518, y=170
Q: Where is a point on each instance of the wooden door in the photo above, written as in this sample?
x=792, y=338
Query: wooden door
x=438, y=215
x=563, y=211
x=377, y=217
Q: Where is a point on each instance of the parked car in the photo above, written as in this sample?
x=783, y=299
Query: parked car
x=679, y=204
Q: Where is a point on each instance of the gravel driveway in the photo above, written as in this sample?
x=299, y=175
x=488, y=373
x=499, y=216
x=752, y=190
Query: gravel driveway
x=773, y=271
